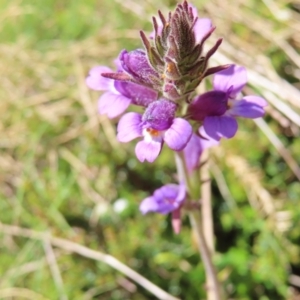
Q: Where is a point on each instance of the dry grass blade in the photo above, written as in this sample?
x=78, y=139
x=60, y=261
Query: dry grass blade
x=221, y=182
x=257, y=194
x=260, y=199
x=207, y=216
x=275, y=141
x=20, y=293
x=88, y=253
x=51, y=259
x=24, y=269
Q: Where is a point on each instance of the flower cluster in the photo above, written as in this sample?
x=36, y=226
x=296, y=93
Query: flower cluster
x=162, y=79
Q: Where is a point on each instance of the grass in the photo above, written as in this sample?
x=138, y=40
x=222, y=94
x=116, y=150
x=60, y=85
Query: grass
x=62, y=170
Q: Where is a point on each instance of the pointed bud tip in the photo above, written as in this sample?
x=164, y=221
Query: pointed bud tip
x=219, y=41
x=208, y=34
x=214, y=48
x=216, y=69
x=117, y=76
x=176, y=225
x=176, y=220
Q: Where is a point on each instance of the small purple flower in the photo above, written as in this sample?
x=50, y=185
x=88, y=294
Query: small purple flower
x=157, y=125
x=164, y=200
x=119, y=95
x=219, y=108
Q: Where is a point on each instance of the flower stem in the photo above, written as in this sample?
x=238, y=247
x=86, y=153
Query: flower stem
x=206, y=213
x=206, y=206
x=213, y=286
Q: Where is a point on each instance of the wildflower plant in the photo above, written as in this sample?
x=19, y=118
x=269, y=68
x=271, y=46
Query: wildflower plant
x=162, y=79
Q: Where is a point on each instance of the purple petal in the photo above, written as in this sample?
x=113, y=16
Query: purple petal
x=96, y=82
x=165, y=208
x=169, y=197
x=138, y=94
x=148, y=150
x=249, y=107
x=201, y=28
x=112, y=104
x=192, y=153
x=212, y=103
x=129, y=127
x=181, y=193
x=195, y=147
x=118, y=64
x=168, y=191
x=218, y=127
x=257, y=100
x=160, y=114
x=149, y=204
x=234, y=76
x=136, y=64
x=206, y=141
x=178, y=135
x=165, y=199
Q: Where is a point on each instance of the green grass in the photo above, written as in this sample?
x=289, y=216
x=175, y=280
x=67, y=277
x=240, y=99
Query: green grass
x=62, y=170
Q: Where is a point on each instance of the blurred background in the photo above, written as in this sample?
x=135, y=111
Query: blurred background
x=63, y=171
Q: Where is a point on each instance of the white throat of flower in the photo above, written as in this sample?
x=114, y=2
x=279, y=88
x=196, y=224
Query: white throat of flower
x=153, y=135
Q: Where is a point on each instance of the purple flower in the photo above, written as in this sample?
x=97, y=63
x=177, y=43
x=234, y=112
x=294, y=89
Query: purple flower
x=157, y=125
x=219, y=108
x=135, y=63
x=119, y=95
x=194, y=148
x=164, y=200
